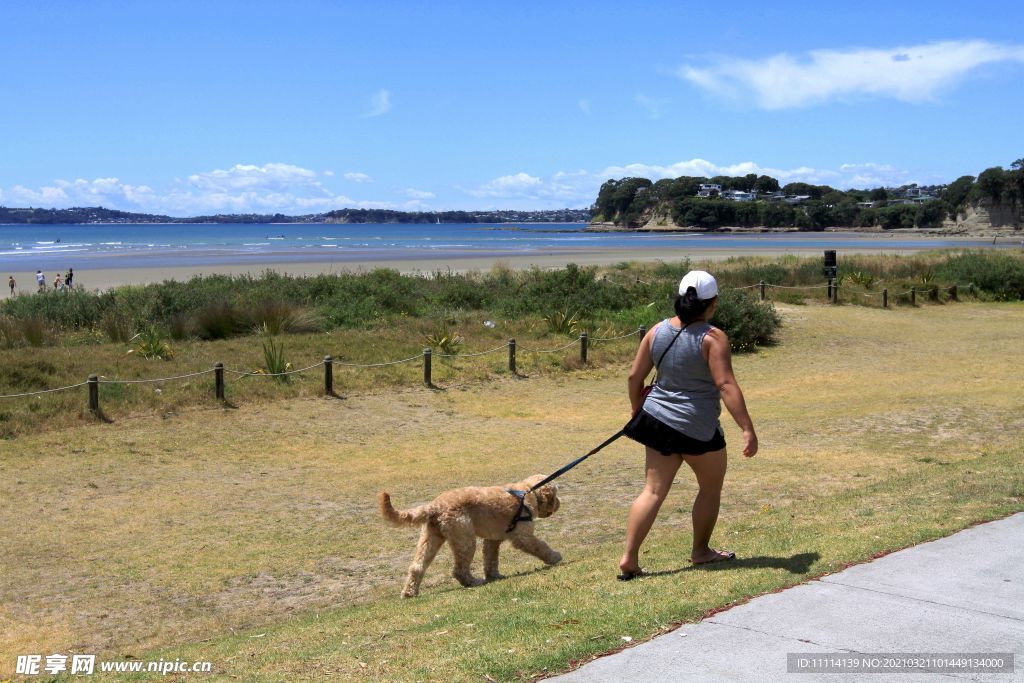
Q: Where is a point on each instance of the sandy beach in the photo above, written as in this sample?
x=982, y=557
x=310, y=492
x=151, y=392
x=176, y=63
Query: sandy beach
x=105, y=277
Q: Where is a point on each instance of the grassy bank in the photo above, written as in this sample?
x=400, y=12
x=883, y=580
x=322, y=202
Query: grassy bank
x=217, y=307
x=55, y=340
x=249, y=537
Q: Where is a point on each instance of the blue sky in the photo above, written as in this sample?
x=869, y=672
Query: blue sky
x=197, y=107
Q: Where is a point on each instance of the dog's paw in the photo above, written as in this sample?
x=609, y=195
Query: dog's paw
x=495, y=577
x=555, y=558
x=470, y=581
x=410, y=594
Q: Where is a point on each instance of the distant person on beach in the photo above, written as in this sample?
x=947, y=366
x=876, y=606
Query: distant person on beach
x=41, y=280
x=57, y=282
x=69, y=277
x=12, y=284
x=678, y=420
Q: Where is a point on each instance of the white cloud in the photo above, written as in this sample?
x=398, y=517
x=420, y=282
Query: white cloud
x=246, y=176
x=108, y=192
x=702, y=167
x=242, y=188
x=516, y=185
x=417, y=194
x=651, y=105
x=585, y=106
x=380, y=104
x=914, y=73
x=356, y=177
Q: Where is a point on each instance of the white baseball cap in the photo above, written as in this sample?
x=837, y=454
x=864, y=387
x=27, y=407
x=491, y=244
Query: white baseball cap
x=703, y=282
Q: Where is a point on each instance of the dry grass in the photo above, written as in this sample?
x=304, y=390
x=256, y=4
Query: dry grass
x=49, y=367
x=878, y=429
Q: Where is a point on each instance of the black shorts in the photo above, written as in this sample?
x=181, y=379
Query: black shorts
x=650, y=431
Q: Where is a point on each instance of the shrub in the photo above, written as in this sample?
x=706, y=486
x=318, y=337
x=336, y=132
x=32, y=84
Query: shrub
x=746, y=321
x=275, y=316
x=151, y=344
x=273, y=359
x=563, y=322
x=859, y=277
x=36, y=330
x=10, y=333
x=181, y=326
x=1000, y=275
x=220, y=320
x=117, y=326
x=445, y=340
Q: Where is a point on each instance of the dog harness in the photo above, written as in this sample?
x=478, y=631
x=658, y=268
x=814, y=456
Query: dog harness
x=523, y=514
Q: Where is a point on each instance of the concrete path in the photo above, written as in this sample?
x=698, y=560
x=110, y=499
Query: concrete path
x=960, y=594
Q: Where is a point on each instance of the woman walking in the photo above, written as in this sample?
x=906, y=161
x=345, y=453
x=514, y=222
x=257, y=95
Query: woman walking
x=678, y=420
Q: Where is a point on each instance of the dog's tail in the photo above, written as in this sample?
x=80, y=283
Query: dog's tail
x=411, y=517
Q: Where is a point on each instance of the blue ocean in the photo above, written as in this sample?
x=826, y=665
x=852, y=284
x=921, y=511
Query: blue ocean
x=47, y=247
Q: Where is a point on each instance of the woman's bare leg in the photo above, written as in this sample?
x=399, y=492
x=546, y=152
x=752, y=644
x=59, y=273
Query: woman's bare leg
x=661, y=470
x=710, y=470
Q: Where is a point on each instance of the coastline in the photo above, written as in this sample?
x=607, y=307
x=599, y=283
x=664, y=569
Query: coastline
x=107, y=277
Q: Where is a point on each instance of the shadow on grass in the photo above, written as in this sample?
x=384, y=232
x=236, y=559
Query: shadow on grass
x=454, y=587
x=796, y=564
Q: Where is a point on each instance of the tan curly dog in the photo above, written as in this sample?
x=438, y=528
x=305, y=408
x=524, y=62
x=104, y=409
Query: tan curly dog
x=460, y=515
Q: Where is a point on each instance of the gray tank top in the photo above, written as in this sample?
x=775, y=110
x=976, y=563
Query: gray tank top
x=684, y=396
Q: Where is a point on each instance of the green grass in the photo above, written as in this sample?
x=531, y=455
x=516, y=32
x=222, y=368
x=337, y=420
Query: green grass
x=249, y=536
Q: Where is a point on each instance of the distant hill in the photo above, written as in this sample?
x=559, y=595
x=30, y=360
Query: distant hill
x=98, y=214
x=992, y=202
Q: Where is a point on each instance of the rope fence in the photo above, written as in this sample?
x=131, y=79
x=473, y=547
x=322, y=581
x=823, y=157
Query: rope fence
x=219, y=371
x=583, y=342
x=104, y=380
x=833, y=287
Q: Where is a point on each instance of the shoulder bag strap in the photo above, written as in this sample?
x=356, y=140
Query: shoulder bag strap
x=657, y=366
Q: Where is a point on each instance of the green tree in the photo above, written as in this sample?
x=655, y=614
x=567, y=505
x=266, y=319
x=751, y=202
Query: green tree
x=956, y=193
x=765, y=184
x=813, y=191
x=833, y=198
x=991, y=183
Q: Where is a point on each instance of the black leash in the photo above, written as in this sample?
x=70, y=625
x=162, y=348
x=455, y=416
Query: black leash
x=523, y=514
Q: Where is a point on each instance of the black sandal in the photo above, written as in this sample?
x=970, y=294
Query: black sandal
x=629, y=576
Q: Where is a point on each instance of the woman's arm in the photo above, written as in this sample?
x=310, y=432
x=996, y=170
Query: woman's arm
x=642, y=365
x=720, y=364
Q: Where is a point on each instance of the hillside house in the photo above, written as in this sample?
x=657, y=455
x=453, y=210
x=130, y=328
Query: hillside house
x=707, y=190
x=739, y=195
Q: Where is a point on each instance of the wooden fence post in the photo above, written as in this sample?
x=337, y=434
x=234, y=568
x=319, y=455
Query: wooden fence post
x=218, y=380
x=426, y=367
x=328, y=375
x=762, y=289
x=583, y=347
x=830, y=289
x=885, y=298
x=913, y=296
x=94, y=394
x=512, y=356
x=641, y=332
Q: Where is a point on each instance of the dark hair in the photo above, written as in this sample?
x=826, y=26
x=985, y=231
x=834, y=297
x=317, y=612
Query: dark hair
x=689, y=308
